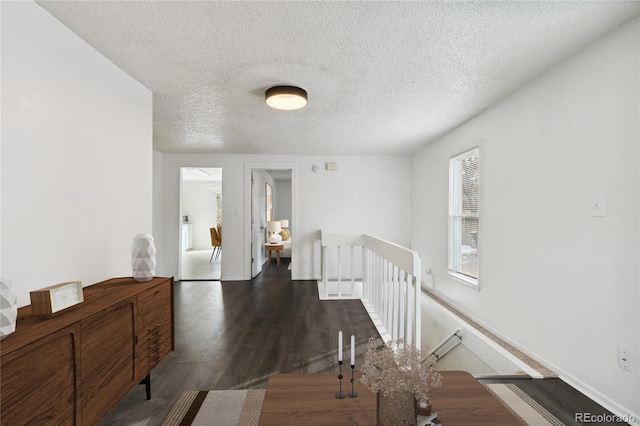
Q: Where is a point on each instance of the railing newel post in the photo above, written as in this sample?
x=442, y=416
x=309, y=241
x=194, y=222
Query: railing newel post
x=324, y=271
x=353, y=288
x=339, y=273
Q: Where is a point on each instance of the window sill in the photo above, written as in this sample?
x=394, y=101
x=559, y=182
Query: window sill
x=463, y=279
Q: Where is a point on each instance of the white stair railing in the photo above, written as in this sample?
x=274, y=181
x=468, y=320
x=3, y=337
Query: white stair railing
x=333, y=278
x=445, y=346
x=386, y=278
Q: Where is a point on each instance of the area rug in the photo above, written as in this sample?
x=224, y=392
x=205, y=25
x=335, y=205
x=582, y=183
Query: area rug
x=242, y=407
x=217, y=408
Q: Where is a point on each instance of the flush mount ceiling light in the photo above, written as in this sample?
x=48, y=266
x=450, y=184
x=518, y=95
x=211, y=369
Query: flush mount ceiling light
x=286, y=97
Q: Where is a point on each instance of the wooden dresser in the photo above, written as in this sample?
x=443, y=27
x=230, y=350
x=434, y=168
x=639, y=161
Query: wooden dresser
x=72, y=369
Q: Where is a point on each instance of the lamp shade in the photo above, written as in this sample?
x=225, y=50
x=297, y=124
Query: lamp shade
x=286, y=97
x=274, y=226
x=284, y=223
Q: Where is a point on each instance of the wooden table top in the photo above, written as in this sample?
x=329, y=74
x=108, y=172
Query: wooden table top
x=307, y=399
x=274, y=246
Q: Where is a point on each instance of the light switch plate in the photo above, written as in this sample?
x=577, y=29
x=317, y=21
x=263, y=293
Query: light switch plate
x=625, y=359
x=596, y=206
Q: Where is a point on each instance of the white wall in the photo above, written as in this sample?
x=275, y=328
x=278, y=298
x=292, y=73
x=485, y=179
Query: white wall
x=283, y=202
x=199, y=203
x=365, y=194
x=158, y=197
x=559, y=284
x=76, y=156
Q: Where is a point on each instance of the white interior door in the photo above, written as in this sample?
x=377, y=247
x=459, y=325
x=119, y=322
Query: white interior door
x=257, y=225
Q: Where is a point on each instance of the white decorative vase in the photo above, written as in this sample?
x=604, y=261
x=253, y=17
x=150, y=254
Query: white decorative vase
x=143, y=257
x=8, y=308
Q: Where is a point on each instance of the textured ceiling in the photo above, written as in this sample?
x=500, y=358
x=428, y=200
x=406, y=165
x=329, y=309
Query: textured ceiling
x=382, y=77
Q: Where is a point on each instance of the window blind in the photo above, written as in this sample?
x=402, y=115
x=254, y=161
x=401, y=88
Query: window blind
x=464, y=191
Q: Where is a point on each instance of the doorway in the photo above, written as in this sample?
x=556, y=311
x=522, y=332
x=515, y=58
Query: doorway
x=200, y=219
x=271, y=198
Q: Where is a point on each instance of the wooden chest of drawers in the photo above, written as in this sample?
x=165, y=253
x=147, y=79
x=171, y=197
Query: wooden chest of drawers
x=72, y=369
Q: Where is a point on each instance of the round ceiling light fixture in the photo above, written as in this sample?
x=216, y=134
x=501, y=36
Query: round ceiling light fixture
x=286, y=97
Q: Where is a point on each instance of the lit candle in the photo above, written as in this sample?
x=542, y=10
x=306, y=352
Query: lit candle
x=353, y=350
x=340, y=345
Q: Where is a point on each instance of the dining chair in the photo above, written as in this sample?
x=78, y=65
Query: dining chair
x=216, y=243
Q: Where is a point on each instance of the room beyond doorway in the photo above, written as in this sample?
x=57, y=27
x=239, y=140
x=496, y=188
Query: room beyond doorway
x=200, y=217
x=271, y=203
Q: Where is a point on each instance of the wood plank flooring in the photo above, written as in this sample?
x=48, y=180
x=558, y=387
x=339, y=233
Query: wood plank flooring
x=196, y=265
x=234, y=335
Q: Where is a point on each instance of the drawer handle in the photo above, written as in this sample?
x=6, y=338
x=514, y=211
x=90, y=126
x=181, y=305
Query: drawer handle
x=156, y=293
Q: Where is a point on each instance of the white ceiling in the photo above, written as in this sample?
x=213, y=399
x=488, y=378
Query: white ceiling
x=280, y=175
x=382, y=77
x=200, y=174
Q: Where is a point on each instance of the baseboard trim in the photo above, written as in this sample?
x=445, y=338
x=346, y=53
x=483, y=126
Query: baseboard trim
x=234, y=278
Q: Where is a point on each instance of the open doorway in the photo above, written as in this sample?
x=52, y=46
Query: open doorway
x=201, y=223
x=271, y=201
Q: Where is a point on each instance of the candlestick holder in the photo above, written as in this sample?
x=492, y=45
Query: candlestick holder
x=340, y=395
x=353, y=393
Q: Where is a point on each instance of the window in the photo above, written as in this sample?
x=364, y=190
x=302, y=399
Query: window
x=464, y=190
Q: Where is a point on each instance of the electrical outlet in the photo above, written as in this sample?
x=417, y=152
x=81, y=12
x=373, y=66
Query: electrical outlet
x=624, y=359
x=305, y=262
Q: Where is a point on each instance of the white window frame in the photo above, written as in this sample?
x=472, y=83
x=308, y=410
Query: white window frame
x=454, y=253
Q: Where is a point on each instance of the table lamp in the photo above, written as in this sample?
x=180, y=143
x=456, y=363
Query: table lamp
x=274, y=228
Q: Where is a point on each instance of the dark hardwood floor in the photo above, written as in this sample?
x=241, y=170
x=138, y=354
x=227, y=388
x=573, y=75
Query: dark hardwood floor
x=234, y=335
x=560, y=399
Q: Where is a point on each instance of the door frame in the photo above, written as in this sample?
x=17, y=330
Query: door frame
x=269, y=165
